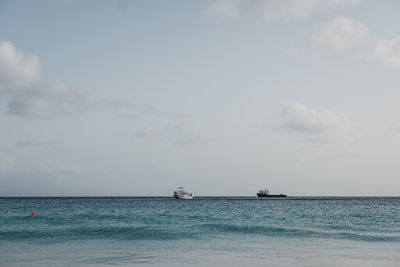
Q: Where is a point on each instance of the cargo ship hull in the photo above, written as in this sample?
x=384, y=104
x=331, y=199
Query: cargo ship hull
x=269, y=195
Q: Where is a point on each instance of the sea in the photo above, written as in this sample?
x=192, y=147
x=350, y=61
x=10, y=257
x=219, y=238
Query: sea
x=205, y=231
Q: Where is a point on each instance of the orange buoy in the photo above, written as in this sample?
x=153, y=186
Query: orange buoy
x=33, y=213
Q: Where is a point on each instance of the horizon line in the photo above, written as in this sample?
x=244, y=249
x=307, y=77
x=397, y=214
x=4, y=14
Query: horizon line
x=203, y=196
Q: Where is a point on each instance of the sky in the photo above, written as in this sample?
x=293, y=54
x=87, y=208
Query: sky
x=224, y=97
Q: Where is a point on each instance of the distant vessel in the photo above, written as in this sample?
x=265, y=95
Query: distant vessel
x=265, y=193
x=181, y=193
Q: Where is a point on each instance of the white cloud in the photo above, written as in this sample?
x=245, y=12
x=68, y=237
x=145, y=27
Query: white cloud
x=343, y=34
x=133, y=110
x=54, y=145
x=298, y=118
x=225, y=9
x=339, y=35
x=6, y=162
x=395, y=129
x=16, y=68
x=292, y=51
x=388, y=51
x=272, y=9
x=179, y=133
x=295, y=9
x=27, y=92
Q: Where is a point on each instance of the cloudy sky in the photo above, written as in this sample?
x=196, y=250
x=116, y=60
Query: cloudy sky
x=223, y=97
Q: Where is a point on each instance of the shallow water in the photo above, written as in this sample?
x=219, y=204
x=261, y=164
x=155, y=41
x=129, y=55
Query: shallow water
x=203, y=231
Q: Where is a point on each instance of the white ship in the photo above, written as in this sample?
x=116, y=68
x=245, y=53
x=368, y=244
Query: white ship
x=181, y=193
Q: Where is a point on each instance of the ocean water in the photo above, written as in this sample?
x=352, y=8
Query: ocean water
x=205, y=231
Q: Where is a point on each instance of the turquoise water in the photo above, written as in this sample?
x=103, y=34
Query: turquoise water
x=202, y=232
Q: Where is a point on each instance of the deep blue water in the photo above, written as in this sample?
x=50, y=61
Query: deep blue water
x=203, y=231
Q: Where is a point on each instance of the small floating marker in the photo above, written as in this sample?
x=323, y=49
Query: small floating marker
x=33, y=213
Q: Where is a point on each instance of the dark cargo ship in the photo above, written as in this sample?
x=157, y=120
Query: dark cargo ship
x=265, y=193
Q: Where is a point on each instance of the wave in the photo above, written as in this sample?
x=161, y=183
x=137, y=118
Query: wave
x=120, y=233
x=278, y=231
x=210, y=230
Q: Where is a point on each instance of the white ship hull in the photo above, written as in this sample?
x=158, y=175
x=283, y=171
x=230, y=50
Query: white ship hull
x=183, y=197
x=181, y=193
